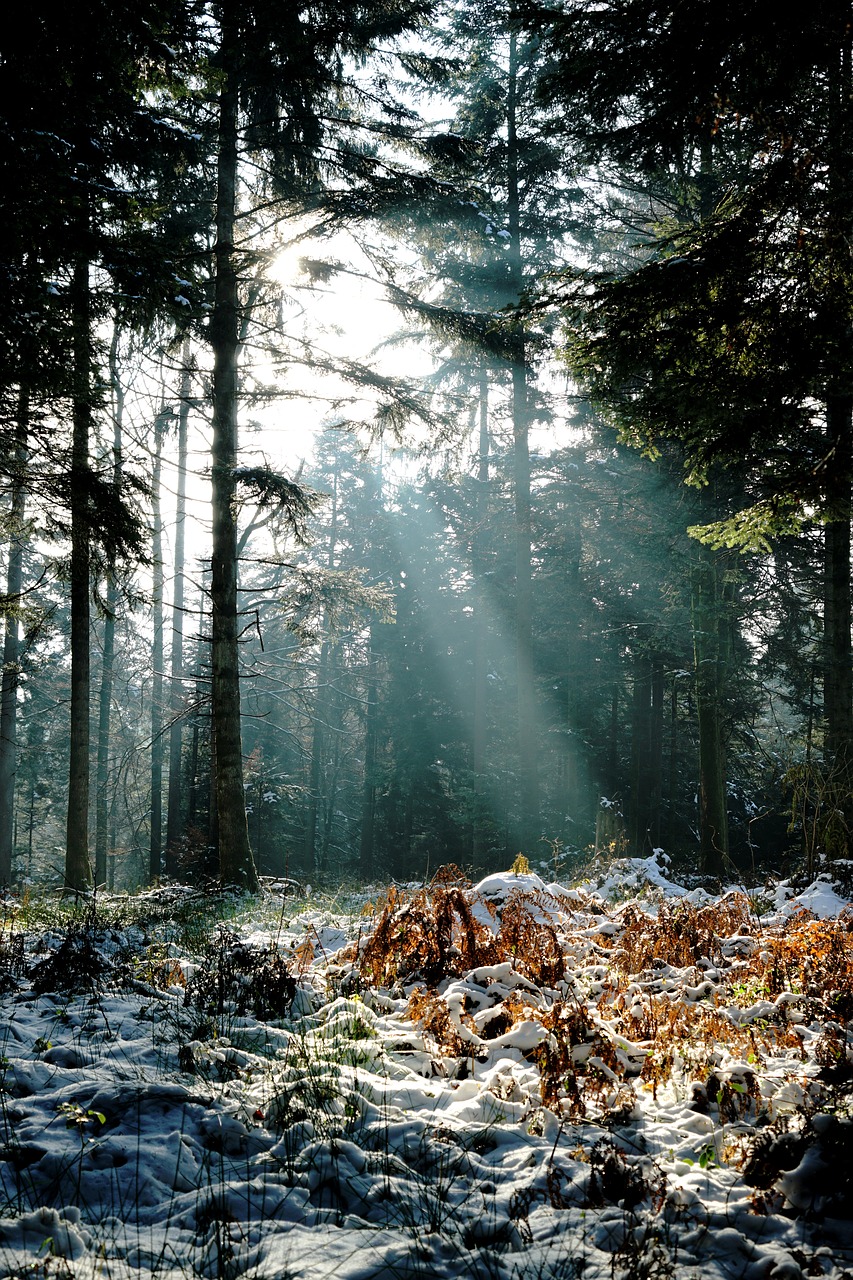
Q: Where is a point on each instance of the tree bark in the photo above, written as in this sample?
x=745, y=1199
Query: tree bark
x=707, y=603
x=368, y=795
x=105, y=699
x=838, y=470
x=156, y=833
x=638, y=799
x=78, y=873
x=173, y=814
x=655, y=769
x=838, y=657
x=12, y=649
x=236, y=865
x=838, y=695
x=322, y=704
x=479, y=841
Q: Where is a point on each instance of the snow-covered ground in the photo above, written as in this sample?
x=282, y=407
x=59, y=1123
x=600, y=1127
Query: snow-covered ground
x=510, y=1080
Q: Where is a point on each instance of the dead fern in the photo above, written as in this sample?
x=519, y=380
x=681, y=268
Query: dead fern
x=432, y=936
x=530, y=940
x=431, y=1012
x=569, y=1028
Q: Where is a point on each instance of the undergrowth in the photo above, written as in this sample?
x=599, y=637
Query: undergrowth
x=685, y=1004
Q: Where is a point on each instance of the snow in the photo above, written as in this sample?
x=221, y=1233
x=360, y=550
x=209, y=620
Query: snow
x=164, y=1117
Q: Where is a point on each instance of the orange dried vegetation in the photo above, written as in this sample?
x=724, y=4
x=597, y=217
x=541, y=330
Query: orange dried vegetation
x=529, y=939
x=433, y=935
x=428, y=1008
x=815, y=959
x=681, y=934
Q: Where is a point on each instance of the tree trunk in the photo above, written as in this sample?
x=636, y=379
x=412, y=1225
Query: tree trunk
x=838, y=665
x=78, y=874
x=479, y=841
x=105, y=700
x=173, y=815
x=529, y=833
x=156, y=841
x=12, y=649
x=236, y=865
x=638, y=799
x=611, y=783
x=707, y=603
x=655, y=769
x=315, y=770
x=838, y=469
x=200, y=722
x=368, y=796
x=322, y=704
x=672, y=770
x=838, y=658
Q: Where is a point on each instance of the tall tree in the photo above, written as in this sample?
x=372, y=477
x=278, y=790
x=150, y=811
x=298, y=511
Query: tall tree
x=276, y=68
x=235, y=855
x=82, y=98
x=12, y=645
x=176, y=667
x=105, y=697
x=156, y=832
x=735, y=328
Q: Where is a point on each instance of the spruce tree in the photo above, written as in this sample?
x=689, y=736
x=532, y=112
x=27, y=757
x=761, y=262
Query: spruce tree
x=736, y=324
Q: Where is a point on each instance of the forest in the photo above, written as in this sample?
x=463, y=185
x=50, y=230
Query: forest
x=425, y=436
x=426, y=734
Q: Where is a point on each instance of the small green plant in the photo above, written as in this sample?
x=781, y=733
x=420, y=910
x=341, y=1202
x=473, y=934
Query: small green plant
x=78, y=1118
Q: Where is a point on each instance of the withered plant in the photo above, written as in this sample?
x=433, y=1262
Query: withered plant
x=681, y=934
x=814, y=958
x=569, y=1028
x=616, y=1179
x=428, y=1009
x=237, y=978
x=431, y=937
x=528, y=938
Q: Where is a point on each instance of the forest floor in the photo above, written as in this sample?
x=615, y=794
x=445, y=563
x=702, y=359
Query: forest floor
x=509, y=1080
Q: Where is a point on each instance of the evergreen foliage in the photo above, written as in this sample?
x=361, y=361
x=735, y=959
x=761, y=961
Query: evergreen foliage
x=485, y=616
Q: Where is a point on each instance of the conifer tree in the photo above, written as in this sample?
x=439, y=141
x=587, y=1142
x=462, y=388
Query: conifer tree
x=483, y=256
x=277, y=69
x=736, y=324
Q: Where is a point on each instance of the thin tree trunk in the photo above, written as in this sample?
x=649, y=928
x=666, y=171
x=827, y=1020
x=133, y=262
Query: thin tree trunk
x=156, y=841
x=102, y=803
x=236, y=865
x=838, y=664
x=612, y=766
x=479, y=835
x=368, y=797
x=838, y=470
x=654, y=772
x=194, y=814
x=672, y=783
x=575, y=782
x=315, y=772
x=321, y=706
x=173, y=815
x=105, y=701
x=713, y=817
x=329, y=807
x=638, y=813
x=78, y=874
x=12, y=648
x=527, y=745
